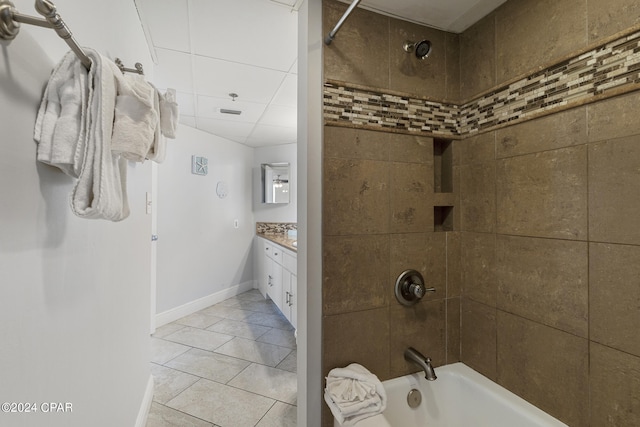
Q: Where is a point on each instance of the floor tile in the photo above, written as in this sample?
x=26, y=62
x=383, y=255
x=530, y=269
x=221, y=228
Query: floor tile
x=272, y=320
x=162, y=351
x=258, y=352
x=280, y=415
x=279, y=337
x=253, y=295
x=199, y=338
x=167, y=329
x=222, y=405
x=264, y=306
x=227, y=312
x=205, y=364
x=270, y=382
x=199, y=320
x=161, y=416
x=290, y=363
x=168, y=383
x=239, y=329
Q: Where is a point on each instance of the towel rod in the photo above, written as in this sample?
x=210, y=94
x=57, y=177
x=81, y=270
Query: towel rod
x=10, y=20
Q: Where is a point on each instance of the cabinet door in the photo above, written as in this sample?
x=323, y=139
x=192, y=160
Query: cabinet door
x=293, y=301
x=260, y=266
x=275, y=284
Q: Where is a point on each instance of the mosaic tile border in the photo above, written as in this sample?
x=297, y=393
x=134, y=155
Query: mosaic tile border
x=600, y=72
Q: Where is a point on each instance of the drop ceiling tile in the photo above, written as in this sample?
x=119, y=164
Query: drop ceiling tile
x=235, y=131
x=272, y=135
x=255, y=32
x=287, y=94
x=173, y=70
x=277, y=115
x=186, y=103
x=210, y=107
x=168, y=21
x=188, y=120
x=218, y=78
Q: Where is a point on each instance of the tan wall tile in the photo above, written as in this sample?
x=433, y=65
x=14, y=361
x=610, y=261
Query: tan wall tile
x=355, y=272
x=532, y=33
x=614, y=384
x=409, y=74
x=478, y=337
x=477, y=149
x=349, y=143
x=614, y=118
x=424, y=252
x=545, y=366
x=478, y=197
x=361, y=337
x=478, y=270
x=360, y=51
x=355, y=197
x=410, y=149
x=547, y=133
x=454, y=264
x=452, y=50
x=614, y=296
x=478, y=47
x=614, y=179
x=543, y=194
x=610, y=17
x=410, y=185
x=453, y=330
x=422, y=326
x=544, y=280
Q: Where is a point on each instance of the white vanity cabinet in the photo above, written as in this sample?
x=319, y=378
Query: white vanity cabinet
x=277, y=277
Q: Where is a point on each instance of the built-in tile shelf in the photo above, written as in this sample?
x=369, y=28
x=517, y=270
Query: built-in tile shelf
x=600, y=72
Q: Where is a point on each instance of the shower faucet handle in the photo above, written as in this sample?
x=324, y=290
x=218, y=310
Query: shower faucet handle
x=410, y=287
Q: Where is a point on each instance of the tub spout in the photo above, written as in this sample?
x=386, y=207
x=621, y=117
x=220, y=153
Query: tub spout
x=413, y=355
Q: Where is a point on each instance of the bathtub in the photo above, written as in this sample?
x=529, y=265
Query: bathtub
x=460, y=397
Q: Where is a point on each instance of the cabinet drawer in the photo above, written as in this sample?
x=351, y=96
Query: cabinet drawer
x=290, y=263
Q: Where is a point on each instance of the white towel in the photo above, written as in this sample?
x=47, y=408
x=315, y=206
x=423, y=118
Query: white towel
x=158, y=149
x=135, y=119
x=100, y=191
x=353, y=394
x=73, y=130
x=169, y=113
x=60, y=124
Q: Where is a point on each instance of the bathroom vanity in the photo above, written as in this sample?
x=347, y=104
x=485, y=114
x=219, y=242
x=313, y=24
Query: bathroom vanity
x=276, y=267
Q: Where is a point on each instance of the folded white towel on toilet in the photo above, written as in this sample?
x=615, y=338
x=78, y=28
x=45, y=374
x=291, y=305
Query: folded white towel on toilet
x=353, y=394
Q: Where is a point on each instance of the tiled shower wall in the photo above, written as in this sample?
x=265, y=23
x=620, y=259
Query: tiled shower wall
x=548, y=212
x=379, y=194
x=550, y=221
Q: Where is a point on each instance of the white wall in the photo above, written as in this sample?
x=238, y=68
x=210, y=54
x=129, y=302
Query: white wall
x=275, y=212
x=74, y=305
x=200, y=253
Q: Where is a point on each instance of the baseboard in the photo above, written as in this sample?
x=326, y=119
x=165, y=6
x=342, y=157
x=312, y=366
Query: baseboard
x=204, y=302
x=143, y=413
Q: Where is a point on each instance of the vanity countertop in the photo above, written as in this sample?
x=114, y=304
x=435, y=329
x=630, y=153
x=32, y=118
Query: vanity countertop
x=281, y=239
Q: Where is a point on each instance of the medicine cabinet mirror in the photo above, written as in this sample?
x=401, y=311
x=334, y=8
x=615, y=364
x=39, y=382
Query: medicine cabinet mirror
x=275, y=183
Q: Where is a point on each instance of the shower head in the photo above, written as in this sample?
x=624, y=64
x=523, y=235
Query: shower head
x=422, y=48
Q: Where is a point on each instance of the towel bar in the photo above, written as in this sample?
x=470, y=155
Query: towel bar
x=10, y=20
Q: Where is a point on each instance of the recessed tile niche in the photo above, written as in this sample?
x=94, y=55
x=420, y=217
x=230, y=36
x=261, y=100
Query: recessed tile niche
x=442, y=182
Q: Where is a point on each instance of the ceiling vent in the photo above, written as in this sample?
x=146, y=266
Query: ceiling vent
x=227, y=111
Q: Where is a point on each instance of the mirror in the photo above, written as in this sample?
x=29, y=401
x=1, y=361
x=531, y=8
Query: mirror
x=275, y=183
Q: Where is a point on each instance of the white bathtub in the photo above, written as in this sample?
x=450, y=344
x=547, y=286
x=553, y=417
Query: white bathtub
x=460, y=397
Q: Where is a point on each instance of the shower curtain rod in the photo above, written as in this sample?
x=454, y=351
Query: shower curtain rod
x=10, y=20
x=332, y=33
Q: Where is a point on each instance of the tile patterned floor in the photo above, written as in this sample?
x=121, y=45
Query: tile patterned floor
x=230, y=365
